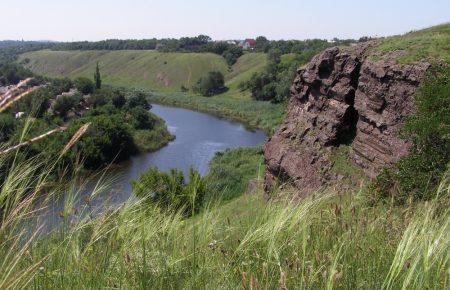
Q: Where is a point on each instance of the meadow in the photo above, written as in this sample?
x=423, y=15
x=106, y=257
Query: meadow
x=330, y=240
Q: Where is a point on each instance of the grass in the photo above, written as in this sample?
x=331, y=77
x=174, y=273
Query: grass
x=142, y=69
x=230, y=172
x=165, y=73
x=327, y=241
x=255, y=114
x=152, y=140
x=431, y=44
x=244, y=68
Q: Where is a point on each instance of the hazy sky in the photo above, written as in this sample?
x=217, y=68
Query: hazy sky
x=225, y=19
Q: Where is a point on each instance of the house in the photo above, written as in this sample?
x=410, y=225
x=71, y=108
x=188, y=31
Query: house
x=247, y=44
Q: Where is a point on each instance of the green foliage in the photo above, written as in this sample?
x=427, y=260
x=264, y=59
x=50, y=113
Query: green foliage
x=12, y=73
x=118, y=100
x=211, y=84
x=320, y=242
x=417, y=175
x=36, y=103
x=99, y=98
x=64, y=104
x=84, y=85
x=97, y=78
x=431, y=43
x=7, y=127
x=142, y=119
x=230, y=172
x=138, y=99
x=232, y=54
x=255, y=114
x=274, y=83
x=170, y=191
x=60, y=86
x=108, y=139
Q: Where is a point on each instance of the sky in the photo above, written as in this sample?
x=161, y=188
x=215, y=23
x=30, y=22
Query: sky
x=75, y=20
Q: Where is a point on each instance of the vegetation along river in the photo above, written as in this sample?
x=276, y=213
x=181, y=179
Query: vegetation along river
x=199, y=136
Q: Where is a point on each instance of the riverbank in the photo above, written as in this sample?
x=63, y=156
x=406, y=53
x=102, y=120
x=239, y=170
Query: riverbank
x=153, y=140
x=254, y=114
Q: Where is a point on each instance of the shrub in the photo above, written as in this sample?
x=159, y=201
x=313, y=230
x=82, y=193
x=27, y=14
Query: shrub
x=7, y=127
x=64, y=104
x=84, y=85
x=170, y=191
x=62, y=85
x=138, y=99
x=418, y=174
x=118, y=100
x=142, y=119
x=211, y=84
x=108, y=139
x=99, y=98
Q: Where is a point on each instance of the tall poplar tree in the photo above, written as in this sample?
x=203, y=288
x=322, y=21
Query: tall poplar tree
x=97, y=78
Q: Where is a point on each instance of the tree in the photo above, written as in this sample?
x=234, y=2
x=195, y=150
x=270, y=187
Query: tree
x=98, y=98
x=232, y=54
x=142, y=119
x=64, y=104
x=261, y=43
x=108, y=139
x=84, y=85
x=138, y=100
x=97, y=78
x=211, y=84
x=118, y=100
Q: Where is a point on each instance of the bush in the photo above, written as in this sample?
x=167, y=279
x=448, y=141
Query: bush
x=84, y=85
x=118, y=100
x=64, y=104
x=417, y=175
x=170, y=191
x=7, y=127
x=108, y=139
x=231, y=170
x=61, y=85
x=138, y=99
x=142, y=119
x=211, y=84
x=99, y=98
x=12, y=73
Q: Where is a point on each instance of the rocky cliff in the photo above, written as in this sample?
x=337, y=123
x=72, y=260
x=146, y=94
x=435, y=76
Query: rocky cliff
x=342, y=97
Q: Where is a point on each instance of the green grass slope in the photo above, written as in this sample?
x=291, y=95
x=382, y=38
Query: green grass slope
x=143, y=69
x=427, y=44
x=127, y=68
x=165, y=73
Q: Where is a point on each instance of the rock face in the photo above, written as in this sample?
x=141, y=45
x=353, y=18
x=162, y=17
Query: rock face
x=342, y=98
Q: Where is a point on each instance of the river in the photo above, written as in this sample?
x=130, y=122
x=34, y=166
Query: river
x=199, y=136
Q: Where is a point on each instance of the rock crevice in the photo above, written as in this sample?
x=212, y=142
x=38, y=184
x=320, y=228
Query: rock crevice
x=340, y=97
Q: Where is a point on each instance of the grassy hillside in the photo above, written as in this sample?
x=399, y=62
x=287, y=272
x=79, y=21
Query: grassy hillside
x=428, y=44
x=166, y=73
x=331, y=241
x=142, y=69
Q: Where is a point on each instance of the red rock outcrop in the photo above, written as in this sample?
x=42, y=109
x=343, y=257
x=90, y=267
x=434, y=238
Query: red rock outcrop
x=342, y=98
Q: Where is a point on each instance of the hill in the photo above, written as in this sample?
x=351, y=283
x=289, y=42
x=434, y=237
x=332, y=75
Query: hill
x=142, y=69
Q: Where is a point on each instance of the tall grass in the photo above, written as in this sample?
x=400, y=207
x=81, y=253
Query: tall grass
x=326, y=241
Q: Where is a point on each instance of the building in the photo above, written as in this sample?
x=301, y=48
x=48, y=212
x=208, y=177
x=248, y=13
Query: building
x=247, y=44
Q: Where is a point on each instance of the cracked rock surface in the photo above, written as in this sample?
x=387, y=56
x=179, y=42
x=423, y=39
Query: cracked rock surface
x=341, y=97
